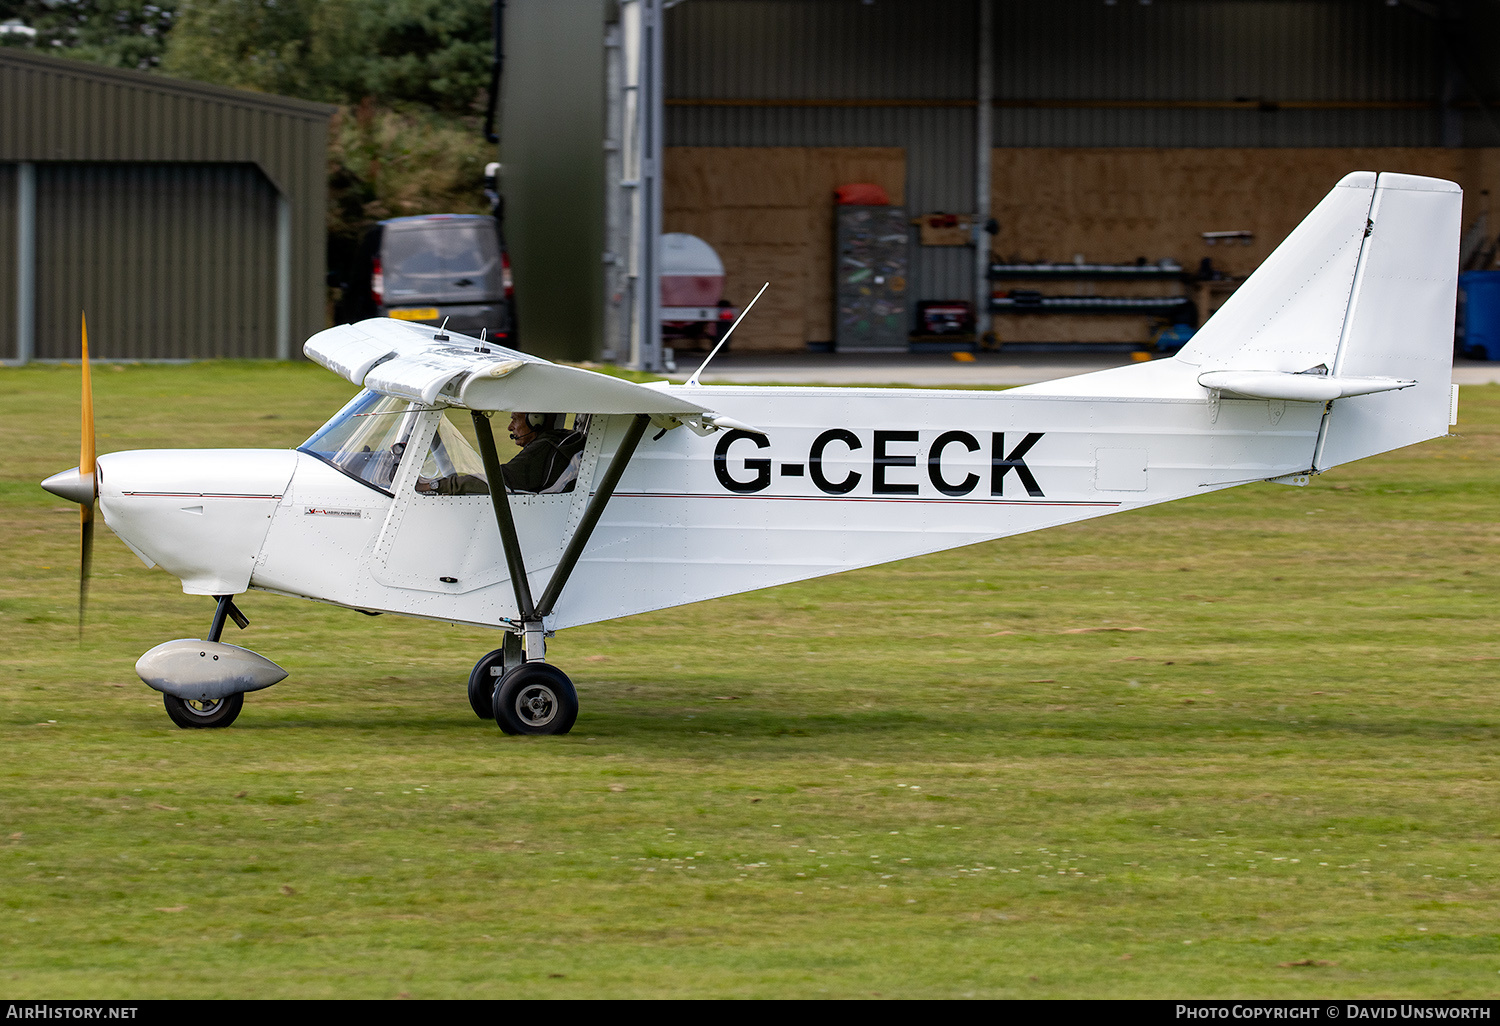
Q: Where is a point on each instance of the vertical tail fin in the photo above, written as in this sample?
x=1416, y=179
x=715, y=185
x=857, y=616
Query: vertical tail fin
x=1363, y=288
x=1289, y=315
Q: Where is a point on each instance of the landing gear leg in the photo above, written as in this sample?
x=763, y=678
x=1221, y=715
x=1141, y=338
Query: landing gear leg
x=226, y=607
x=488, y=672
x=535, y=697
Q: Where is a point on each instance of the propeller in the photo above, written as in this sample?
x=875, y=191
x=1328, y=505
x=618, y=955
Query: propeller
x=86, y=472
x=81, y=485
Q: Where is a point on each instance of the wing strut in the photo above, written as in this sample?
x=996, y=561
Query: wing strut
x=532, y=631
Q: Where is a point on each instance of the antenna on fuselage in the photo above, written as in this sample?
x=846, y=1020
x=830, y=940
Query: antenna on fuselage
x=694, y=379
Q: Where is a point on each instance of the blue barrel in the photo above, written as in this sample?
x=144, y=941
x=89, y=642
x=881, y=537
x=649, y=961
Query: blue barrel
x=1479, y=306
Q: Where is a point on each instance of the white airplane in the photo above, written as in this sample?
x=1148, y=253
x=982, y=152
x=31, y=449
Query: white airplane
x=1339, y=347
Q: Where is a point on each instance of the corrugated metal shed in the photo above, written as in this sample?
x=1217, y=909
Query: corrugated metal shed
x=1196, y=73
x=1332, y=50
x=1067, y=73
x=8, y=284
x=187, y=219
x=766, y=66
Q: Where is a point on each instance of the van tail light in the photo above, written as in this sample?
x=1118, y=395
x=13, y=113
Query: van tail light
x=506, y=280
x=726, y=313
x=377, y=283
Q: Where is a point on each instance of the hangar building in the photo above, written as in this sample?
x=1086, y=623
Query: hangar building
x=1096, y=134
x=187, y=220
x=1113, y=132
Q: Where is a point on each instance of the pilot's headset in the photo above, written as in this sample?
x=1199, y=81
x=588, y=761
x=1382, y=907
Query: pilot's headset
x=543, y=421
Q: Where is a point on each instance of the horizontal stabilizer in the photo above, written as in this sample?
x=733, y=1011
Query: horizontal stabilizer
x=1301, y=387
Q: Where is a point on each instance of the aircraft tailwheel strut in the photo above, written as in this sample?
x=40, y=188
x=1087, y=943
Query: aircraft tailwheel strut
x=529, y=695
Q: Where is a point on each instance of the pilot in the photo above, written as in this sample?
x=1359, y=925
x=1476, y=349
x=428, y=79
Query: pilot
x=546, y=455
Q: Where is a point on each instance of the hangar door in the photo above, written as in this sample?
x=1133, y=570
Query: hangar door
x=168, y=260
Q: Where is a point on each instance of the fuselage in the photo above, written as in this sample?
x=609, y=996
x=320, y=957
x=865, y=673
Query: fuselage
x=842, y=478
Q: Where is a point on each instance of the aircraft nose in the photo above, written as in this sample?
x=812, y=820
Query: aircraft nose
x=73, y=486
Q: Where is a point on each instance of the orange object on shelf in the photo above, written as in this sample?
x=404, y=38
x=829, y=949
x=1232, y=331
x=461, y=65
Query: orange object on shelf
x=862, y=194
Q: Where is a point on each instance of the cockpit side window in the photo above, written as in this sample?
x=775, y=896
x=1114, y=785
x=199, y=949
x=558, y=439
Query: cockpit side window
x=366, y=439
x=453, y=465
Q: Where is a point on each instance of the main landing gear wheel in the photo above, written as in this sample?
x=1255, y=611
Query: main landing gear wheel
x=535, y=698
x=488, y=672
x=482, y=683
x=195, y=713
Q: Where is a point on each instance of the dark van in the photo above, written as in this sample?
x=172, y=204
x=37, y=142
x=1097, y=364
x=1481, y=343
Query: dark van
x=433, y=267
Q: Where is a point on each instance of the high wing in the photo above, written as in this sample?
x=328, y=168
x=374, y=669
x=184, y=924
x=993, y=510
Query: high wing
x=414, y=362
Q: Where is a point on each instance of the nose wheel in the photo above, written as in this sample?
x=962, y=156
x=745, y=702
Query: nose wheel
x=195, y=713
x=203, y=668
x=535, y=698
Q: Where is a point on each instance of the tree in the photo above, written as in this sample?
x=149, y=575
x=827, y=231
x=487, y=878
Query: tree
x=119, y=33
x=406, y=54
x=303, y=48
x=435, y=53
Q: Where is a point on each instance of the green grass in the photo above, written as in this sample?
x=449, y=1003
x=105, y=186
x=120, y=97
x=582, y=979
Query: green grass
x=956, y=775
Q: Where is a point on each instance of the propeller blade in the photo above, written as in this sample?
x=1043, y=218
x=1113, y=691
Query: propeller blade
x=86, y=561
x=86, y=456
x=86, y=449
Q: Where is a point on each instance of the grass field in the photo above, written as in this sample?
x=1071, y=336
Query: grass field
x=1241, y=745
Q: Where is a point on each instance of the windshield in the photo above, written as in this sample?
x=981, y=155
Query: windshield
x=366, y=438
x=430, y=262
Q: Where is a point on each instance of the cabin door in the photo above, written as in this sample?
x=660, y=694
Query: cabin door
x=437, y=539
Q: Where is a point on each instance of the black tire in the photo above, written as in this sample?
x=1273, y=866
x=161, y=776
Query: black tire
x=193, y=714
x=482, y=684
x=535, y=698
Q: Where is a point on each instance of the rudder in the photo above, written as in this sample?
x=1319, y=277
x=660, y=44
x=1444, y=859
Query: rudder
x=1400, y=322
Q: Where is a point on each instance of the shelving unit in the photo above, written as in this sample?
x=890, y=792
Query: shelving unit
x=1116, y=272
x=1031, y=301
